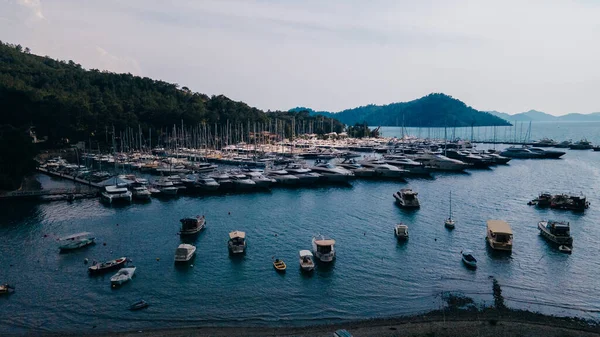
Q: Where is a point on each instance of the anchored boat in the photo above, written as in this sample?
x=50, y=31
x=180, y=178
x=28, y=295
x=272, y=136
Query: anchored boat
x=401, y=231
x=558, y=232
x=306, y=260
x=407, y=198
x=191, y=226
x=499, y=235
x=76, y=241
x=237, y=242
x=468, y=259
x=323, y=248
x=279, y=265
x=107, y=266
x=122, y=276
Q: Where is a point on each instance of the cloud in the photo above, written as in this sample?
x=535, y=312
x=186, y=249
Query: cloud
x=117, y=64
x=35, y=6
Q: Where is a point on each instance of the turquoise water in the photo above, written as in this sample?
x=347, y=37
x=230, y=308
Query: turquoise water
x=373, y=276
x=558, y=131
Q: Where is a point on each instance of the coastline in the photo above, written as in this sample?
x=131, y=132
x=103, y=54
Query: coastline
x=448, y=322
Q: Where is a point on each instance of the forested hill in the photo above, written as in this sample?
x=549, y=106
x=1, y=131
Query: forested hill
x=64, y=101
x=433, y=110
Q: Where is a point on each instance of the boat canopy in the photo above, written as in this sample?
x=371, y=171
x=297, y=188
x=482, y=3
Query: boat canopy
x=115, y=189
x=304, y=253
x=237, y=234
x=75, y=236
x=325, y=242
x=499, y=227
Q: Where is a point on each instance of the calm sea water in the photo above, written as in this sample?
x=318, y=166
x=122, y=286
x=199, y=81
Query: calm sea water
x=520, y=132
x=373, y=276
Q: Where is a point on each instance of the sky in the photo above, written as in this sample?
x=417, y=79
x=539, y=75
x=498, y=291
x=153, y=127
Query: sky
x=509, y=56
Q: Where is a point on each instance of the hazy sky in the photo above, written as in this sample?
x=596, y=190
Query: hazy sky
x=508, y=55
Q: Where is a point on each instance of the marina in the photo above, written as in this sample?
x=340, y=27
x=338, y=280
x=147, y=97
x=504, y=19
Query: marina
x=359, y=216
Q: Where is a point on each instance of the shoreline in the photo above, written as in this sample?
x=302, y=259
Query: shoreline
x=448, y=322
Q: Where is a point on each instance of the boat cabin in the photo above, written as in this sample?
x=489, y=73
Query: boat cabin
x=237, y=237
x=324, y=246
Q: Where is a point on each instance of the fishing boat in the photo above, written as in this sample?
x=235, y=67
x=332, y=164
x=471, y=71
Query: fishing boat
x=190, y=226
x=407, y=198
x=499, y=235
x=6, y=289
x=141, y=304
x=306, y=260
x=401, y=231
x=468, y=259
x=76, y=241
x=106, y=266
x=449, y=223
x=279, y=265
x=323, y=248
x=237, y=242
x=184, y=252
x=122, y=276
x=558, y=232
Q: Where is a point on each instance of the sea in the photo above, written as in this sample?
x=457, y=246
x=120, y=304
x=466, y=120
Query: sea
x=373, y=276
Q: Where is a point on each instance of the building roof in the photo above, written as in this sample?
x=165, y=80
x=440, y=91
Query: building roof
x=499, y=226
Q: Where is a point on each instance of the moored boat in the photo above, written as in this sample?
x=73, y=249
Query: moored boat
x=107, y=266
x=468, y=259
x=237, y=242
x=558, y=232
x=407, y=198
x=184, y=252
x=401, y=231
x=76, y=241
x=499, y=235
x=306, y=260
x=122, y=276
x=141, y=304
x=449, y=223
x=6, y=289
x=279, y=265
x=323, y=248
x=190, y=226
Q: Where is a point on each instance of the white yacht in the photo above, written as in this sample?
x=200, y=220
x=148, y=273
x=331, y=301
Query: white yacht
x=401, y=231
x=122, y=276
x=356, y=168
x=332, y=173
x=166, y=187
x=114, y=194
x=184, y=252
x=323, y=248
x=306, y=260
x=260, y=180
x=382, y=169
x=283, y=177
x=237, y=242
x=241, y=182
x=305, y=175
x=440, y=162
x=141, y=193
x=407, y=198
x=412, y=166
x=206, y=184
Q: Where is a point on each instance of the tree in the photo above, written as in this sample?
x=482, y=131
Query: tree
x=16, y=156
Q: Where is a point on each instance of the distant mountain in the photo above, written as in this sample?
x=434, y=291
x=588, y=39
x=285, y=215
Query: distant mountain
x=538, y=116
x=433, y=110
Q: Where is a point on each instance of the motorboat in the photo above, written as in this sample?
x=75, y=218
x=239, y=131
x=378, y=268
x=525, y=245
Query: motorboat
x=283, y=177
x=323, y=248
x=166, y=187
x=499, y=235
x=449, y=223
x=476, y=160
x=141, y=304
x=141, y=193
x=122, y=276
x=564, y=144
x=184, y=252
x=76, y=241
x=558, y=232
x=332, y=173
x=260, y=180
x=401, y=231
x=237, y=242
x=225, y=182
x=305, y=175
x=306, y=260
x=521, y=153
x=241, y=182
x=413, y=167
x=545, y=142
x=384, y=170
x=6, y=289
x=113, y=194
x=206, y=184
x=440, y=162
x=583, y=144
x=549, y=154
x=351, y=165
x=190, y=226
x=407, y=198
x=468, y=259
x=279, y=265
x=107, y=266
x=498, y=159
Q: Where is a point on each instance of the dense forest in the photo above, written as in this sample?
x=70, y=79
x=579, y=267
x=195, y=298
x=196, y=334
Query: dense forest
x=433, y=110
x=66, y=103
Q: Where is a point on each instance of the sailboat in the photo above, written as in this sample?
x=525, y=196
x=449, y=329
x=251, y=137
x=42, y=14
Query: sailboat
x=449, y=223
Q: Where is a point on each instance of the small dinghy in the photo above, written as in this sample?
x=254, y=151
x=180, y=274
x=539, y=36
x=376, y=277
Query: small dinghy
x=279, y=265
x=565, y=249
x=122, y=276
x=468, y=259
x=141, y=304
x=107, y=266
x=6, y=289
x=401, y=231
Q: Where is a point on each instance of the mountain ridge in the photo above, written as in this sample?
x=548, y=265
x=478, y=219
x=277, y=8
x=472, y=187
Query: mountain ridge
x=539, y=116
